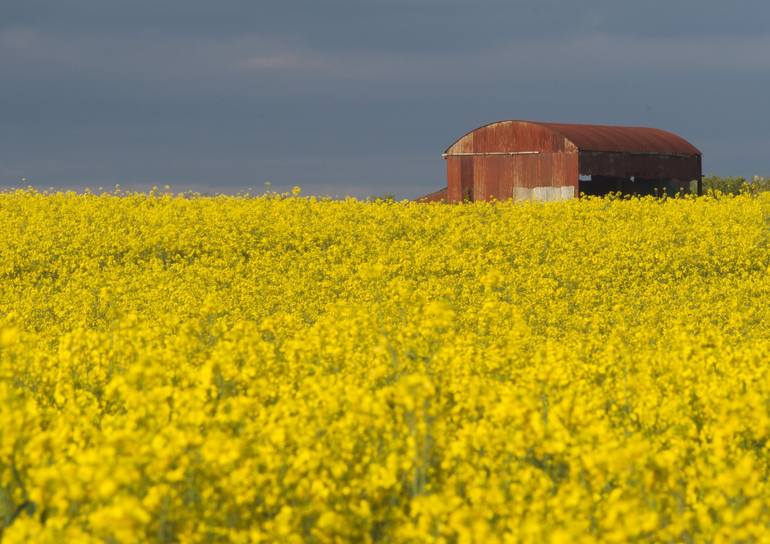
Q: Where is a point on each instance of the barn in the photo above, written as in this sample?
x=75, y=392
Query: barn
x=528, y=160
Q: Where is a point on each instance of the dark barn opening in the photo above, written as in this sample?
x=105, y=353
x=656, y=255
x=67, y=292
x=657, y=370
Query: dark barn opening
x=633, y=185
x=526, y=160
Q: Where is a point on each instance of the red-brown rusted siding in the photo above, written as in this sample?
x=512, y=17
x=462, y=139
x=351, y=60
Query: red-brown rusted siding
x=455, y=179
x=490, y=172
x=460, y=177
x=510, y=136
x=466, y=182
x=545, y=170
x=536, y=136
x=497, y=176
x=624, y=139
x=513, y=159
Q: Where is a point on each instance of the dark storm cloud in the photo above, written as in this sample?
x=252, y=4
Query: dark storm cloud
x=358, y=96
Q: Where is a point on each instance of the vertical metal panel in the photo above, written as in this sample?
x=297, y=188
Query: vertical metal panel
x=493, y=177
x=517, y=174
x=485, y=177
x=460, y=179
x=496, y=169
x=532, y=173
x=506, y=180
x=571, y=173
x=479, y=178
x=547, y=172
x=466, y=168
x=454, y=179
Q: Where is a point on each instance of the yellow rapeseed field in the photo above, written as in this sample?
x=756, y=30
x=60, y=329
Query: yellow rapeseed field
x=290, y=369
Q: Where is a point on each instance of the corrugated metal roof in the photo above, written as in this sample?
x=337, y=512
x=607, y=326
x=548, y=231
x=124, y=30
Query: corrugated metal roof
x=615, y=139
x=624, y=139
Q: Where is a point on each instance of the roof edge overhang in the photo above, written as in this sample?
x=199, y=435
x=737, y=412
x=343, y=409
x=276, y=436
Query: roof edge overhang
x=510, y=153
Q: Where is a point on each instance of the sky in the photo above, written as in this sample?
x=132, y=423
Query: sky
x=359, y=97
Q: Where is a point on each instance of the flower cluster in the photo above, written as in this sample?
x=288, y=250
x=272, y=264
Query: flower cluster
x=292, y=369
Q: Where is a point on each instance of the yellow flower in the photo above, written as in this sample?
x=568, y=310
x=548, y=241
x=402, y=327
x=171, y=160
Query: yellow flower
x=279, y=369
x=9, y=336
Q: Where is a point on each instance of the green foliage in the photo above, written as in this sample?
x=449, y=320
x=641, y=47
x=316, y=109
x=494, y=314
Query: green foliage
x=735, y=184
x=387, y=197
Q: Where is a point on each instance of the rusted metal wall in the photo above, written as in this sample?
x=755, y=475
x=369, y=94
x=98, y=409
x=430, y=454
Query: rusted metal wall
x=539, y=175
x=460, y=178
x=454, y=179
x=523, y=159
x=654, y=166
x=489, y=173
x=516, y=176
x=531, y=135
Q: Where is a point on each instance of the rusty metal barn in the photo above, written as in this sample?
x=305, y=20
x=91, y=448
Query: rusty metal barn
x=527, y=160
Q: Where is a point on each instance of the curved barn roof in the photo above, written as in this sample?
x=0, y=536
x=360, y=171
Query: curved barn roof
x=601, y=138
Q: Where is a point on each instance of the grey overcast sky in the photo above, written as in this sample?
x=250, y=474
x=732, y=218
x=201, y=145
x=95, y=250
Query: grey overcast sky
x=359, y=96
